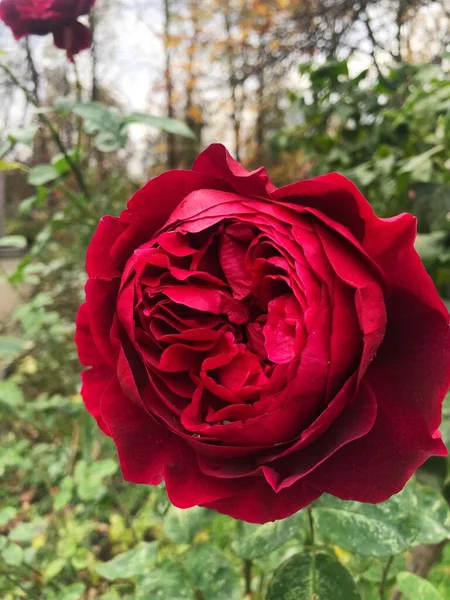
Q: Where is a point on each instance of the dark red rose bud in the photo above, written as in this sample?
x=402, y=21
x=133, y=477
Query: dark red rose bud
x=41, y=17
x=255, y=347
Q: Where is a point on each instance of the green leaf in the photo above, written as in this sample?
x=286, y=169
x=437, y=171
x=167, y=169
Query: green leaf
x=89, y=478
x=364, y=173
x=65, y=104
x=13, y=241
x=368, y=529
x=62, y=105
x=112, y=594
x=164, y=123
x=169, y=580
x=24, y=135
x=10, y=346
x=99, y=115
x=104, y=121
x=416, y=588
x=312, y=577
x=13, y=555
x=64, y=495
x=6, y=514
x=6, y=146
x=181, y=525
x=430, y=246
x=421, y=166
x=10, y=166
x=433, y=514
x=73, y=592
x=253, y=541
x=54, y=568
x=25, y=532
x=27, y=205
x=129, y=564
x=59, y=161
x=109, y=142
x=42, y=174
x=373, y=569
x=10, y=394
x=332, y=68
x=212, y=573
x=103, y=468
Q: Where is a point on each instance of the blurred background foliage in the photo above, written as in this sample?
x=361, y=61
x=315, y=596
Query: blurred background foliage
x=301, y=86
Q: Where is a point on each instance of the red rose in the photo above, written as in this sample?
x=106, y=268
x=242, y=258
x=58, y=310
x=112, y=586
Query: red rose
x=40, y=17
x=255, y=347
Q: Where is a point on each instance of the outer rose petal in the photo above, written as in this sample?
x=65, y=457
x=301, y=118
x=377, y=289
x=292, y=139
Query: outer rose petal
x=98, y=256
x=391, y=243
x=188, y=486
x=95, y=381
x=409, y=378
x=258, y=503
x=144, y=446
x=335, y=196
x=217, y=161
x=100, y=300
x=87, y=351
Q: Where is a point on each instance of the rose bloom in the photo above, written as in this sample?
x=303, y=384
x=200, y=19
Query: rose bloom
x=255, y=346
x=40, y=17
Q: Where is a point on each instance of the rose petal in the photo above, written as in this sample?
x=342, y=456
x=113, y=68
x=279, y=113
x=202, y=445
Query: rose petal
x=144, y=446
x=152, y=206
x=72, y=38
x=258, y=503
x=98, y=260
x=100, y=299
x=94, y=383
x=217, y=161
x=356, y=421
x=188, y=486
x=87, y=351
x=409, y=378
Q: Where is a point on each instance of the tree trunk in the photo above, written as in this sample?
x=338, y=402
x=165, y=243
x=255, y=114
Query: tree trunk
x=171, y=148
x=191, y=146
x=261, y=108
x=94, y=58
x=2, y=203
x=235, y=104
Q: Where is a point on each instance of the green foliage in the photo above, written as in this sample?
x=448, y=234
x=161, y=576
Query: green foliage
x=169, y=580
x=212, y=573
x=416, y=588
x=311, y=576
x=418, y=515
x=9, y=166
x=129, y=564
x=254, y=541
x=10, y=346
x=388, y=134
x=164, y=123
x=180, y=526
x=110, y=128
x=371, y=530
x=42, y=174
